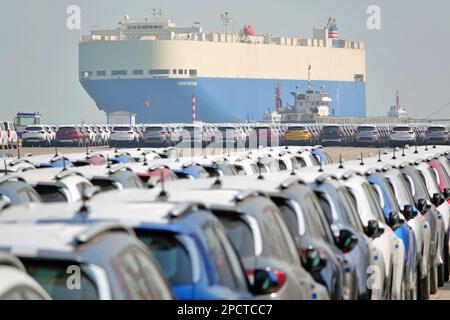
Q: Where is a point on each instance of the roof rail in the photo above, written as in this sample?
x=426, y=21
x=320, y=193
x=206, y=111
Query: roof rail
x=290, y=182
x=120, y=168
x=324, y=177
x=97, y=229
x=17, y=161
x=11, y=177
x=184, y=208
x=249, y=193
x=66, y=174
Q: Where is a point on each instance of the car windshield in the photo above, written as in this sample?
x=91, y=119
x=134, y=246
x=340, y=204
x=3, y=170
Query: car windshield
x=297, y=129
x=66, y=129
x=239, y=233
x=171, y=255
x=367, y=128
x=402, y=129
x=50, y=193
x=122, y=129
x=55, y=279
x=436, y=129
x=34, y=128
x=331, y=129
x=154, y=129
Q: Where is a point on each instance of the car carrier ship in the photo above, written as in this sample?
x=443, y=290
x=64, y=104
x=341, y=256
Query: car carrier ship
x=153, y=69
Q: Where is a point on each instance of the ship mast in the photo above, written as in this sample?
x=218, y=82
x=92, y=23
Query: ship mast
x=226, y=20
x=309, y=90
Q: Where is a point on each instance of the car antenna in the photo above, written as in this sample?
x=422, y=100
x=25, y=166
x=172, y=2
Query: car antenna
x=64, y=164
x=362, y=159
x=18, y=152
x=6, y=169
x=403, y=153
x=163, y=194
x=320, y=166
x=426, y=147
x=415, y=147
x=108, y=163
x=260, y=176
x=56, y=150
x=217, y=183
x=379, y=155
x=341, y=162
x=293, y=171
x=434, y=146
x=393, y=154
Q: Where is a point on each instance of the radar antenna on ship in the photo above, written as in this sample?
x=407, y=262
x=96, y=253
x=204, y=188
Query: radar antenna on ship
x=226, y=20
x=157, y=14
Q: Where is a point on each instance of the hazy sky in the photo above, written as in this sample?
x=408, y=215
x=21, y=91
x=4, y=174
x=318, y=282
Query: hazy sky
x=39, y=58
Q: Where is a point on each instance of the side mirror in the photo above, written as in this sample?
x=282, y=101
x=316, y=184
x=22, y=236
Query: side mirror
x=89, y=193
x=267, y=281
x=346, y=240
x=438, y=199
x=312, y=260
x=446, y=193
x=422, y=205
x=373, y=229
x=409, y=212
x=5, y=202
x=394, y=220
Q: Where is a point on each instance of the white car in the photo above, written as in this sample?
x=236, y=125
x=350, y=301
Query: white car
x=3, y=136
x=391, y=247
x=36, y=135
x=402, y=135
x=15, y=284
x=124, y=135
x=11, y=134
x=51, y=134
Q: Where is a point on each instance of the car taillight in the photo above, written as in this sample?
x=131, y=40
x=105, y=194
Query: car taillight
x=42, y=132
x=411, y=132
x=340, y=133
x=445, y=133
x=375, y=132
x=9, y=133
x=130, y=132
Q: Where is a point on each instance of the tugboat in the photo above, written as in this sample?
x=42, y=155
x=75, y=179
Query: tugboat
x=397, y=111
x=308, y=106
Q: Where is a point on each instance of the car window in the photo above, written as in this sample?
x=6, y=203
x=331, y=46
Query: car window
x=239, y=232
x=350, y=208
x=25, y=195
x=373, y=202
x=50, y=193
x=54, y=277
x=224, y=274
x=133, y=278
x=277, y=236
x=155, y=281
x=289, y=217
x=171, y=255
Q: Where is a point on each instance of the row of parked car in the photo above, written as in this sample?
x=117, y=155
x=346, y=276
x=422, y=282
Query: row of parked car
x=272, y=223
x=229, y=135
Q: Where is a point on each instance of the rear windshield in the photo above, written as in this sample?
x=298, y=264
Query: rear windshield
x=239, y=233
x=171, y=255
x=154, y=129
x=297, y=129
x=331, y=128
x=366, y=128
x=436, y=129
x=54, y=278
x=50, y=193
x=67, y=129
x=122, y=129
x=402, y=129
x=34, y=128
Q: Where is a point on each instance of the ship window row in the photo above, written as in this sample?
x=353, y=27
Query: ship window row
x=144, y=27
x=151, y=72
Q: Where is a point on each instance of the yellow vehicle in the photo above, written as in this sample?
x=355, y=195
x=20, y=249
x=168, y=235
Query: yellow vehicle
x=297, y=135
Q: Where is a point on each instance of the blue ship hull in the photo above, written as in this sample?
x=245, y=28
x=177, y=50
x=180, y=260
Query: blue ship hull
x=218, y=99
